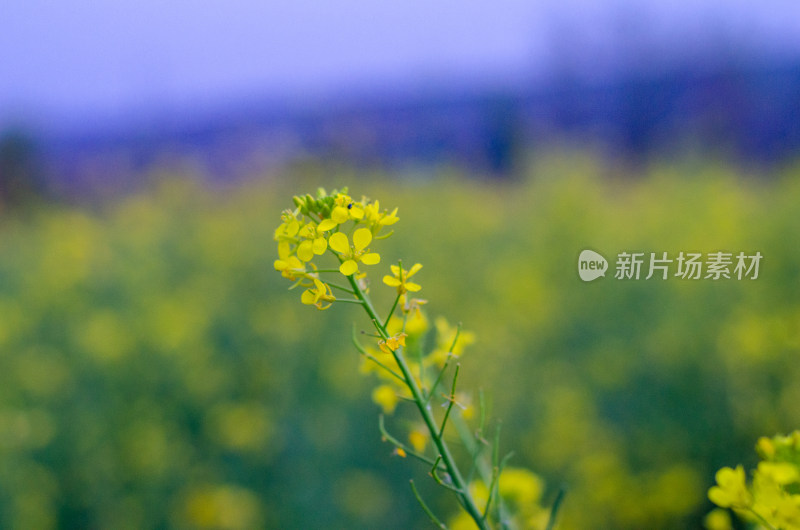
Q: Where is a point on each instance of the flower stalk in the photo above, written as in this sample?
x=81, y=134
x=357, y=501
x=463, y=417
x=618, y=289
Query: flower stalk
x=337, y=225
x=459, y=486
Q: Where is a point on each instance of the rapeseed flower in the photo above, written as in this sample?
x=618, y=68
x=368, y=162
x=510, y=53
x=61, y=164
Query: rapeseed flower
x=772, y=498
x=354, y=253
x=731, y=490
x=392, y=343
x=376, y=218
x=386, y=397
x=418, y=438
x=400, y=278
x=321, y=224
x=288, y=228
x=320, y=296
x=314, y=242
x=346, y=209
x=289, y=265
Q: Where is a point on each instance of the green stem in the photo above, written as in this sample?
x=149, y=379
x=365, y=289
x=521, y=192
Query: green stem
x=340, y=287
x=428, y=511
x=451, y=401
x=391, y=311
x=449, y=462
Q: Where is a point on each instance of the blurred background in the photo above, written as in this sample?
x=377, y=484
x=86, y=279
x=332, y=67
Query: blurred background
x=155, y=372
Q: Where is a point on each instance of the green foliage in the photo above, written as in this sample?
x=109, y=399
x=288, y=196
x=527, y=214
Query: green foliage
x=155, y=373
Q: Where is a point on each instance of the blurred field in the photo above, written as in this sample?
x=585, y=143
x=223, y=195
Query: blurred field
x=156, y=372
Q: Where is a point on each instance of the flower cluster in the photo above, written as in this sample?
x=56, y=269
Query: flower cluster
x=408, y=368
x=773, y=497
x=328, y=224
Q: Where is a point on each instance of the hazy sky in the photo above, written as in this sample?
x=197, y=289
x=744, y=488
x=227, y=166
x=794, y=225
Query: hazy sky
x=70, y=57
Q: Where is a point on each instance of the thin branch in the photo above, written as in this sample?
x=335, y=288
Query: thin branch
x=391, y=311
x=428, y=511
x=551, y=523
x=400, y=445
x=341, y=288
x=437, y=381
x=451, y=400
x=495, y=475
x=372, y=358
x=345, y=301
x=455, y=339
x=439, y=480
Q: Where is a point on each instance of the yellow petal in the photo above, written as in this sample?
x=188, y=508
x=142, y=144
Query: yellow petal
x=371, y=259
x=284, y=249
x=305, y=251
x=418, y=440
x=390, y=219
x=415, y=269
x=295, y=263
x=339, y=243
x=395, y=270
x=356, y=212
x=326, y=224
x=348, y=267
x=280, y=265
x=391, y=281
x=362, y=238
x=292, y=228
x=781, y=472
x=413, y=287
x=386, y=397
x=720, y=497
x=306, y=230
x=308, y=297
x=320, y=246
x=340, y=215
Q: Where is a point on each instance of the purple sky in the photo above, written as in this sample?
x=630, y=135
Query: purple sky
x=71, y=58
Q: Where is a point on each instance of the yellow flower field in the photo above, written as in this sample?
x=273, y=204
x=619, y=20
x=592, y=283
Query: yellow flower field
x=156, y=373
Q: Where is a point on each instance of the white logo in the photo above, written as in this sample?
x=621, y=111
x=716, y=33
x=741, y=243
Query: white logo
x=591, y=265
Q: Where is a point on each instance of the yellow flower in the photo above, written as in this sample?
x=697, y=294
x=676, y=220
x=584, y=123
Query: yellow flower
x=407, y=306
x=446, y=334
x=376, y=218
x=288, y=228
x=314, y=243
x=521, y=486
x=345, y=209
x=416, y=324
x=730, y=491
x=771, y=501
x=781, y=472
x=446, y=339
x=317, y=296
x=400, y=279
x=418, y=438
x=392, y=343
x=357, y=252
x=288, y=264
x=718, y=519
x=386, y=397
x=765, y=447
